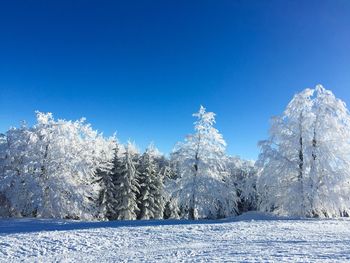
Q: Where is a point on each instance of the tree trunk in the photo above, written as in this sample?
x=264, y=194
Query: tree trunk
x=192, y=211
x=301, y=168
x=313, y=183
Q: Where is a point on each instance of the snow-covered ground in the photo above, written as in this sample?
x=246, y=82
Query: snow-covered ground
x=251, y=237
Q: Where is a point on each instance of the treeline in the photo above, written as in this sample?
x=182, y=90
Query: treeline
x=65, y=169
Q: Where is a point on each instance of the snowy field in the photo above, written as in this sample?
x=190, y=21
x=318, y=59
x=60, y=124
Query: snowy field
x=248, y=238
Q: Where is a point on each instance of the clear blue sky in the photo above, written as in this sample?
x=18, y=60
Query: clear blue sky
x=141, y=68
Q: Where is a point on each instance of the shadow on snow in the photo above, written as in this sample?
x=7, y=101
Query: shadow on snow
x=28, y=225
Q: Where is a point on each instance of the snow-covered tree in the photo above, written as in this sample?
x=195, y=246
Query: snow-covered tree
x=108, y=201
x=305, y=162
x=243, y=175
x=171, y=209
x=200, y=160
x=16, y=178
x=151, y=200
x=127, y=186
x=4, y=203
x=329, y=156
x=281, y=185
x=51, y=168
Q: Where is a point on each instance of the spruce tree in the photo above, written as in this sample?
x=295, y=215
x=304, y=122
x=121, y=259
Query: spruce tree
x=151, y=202
x=127, y=188
x=108, y=199
x=171, y=209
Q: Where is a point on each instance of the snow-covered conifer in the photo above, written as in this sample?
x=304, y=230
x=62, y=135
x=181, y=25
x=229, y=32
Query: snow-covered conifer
x=200, y=161
x=108, y=201
x=151, y=200
x=171, y=209
x=127, y=186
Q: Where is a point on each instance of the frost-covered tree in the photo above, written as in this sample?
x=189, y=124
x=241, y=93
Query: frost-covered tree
x=50, y=168
x=305, y=162
x=4, y=204
x=281, y=184
x=127, y=186
x=200, y=160
x=329, y=156
x=171, y=209
x=16, y=179
x=151, y=200
x=243, y=175
x=108, y=179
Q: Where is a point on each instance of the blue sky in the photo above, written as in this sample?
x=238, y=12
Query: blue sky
x=141, y=68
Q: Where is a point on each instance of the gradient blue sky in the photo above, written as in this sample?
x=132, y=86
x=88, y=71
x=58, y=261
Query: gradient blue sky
x=141, y=68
